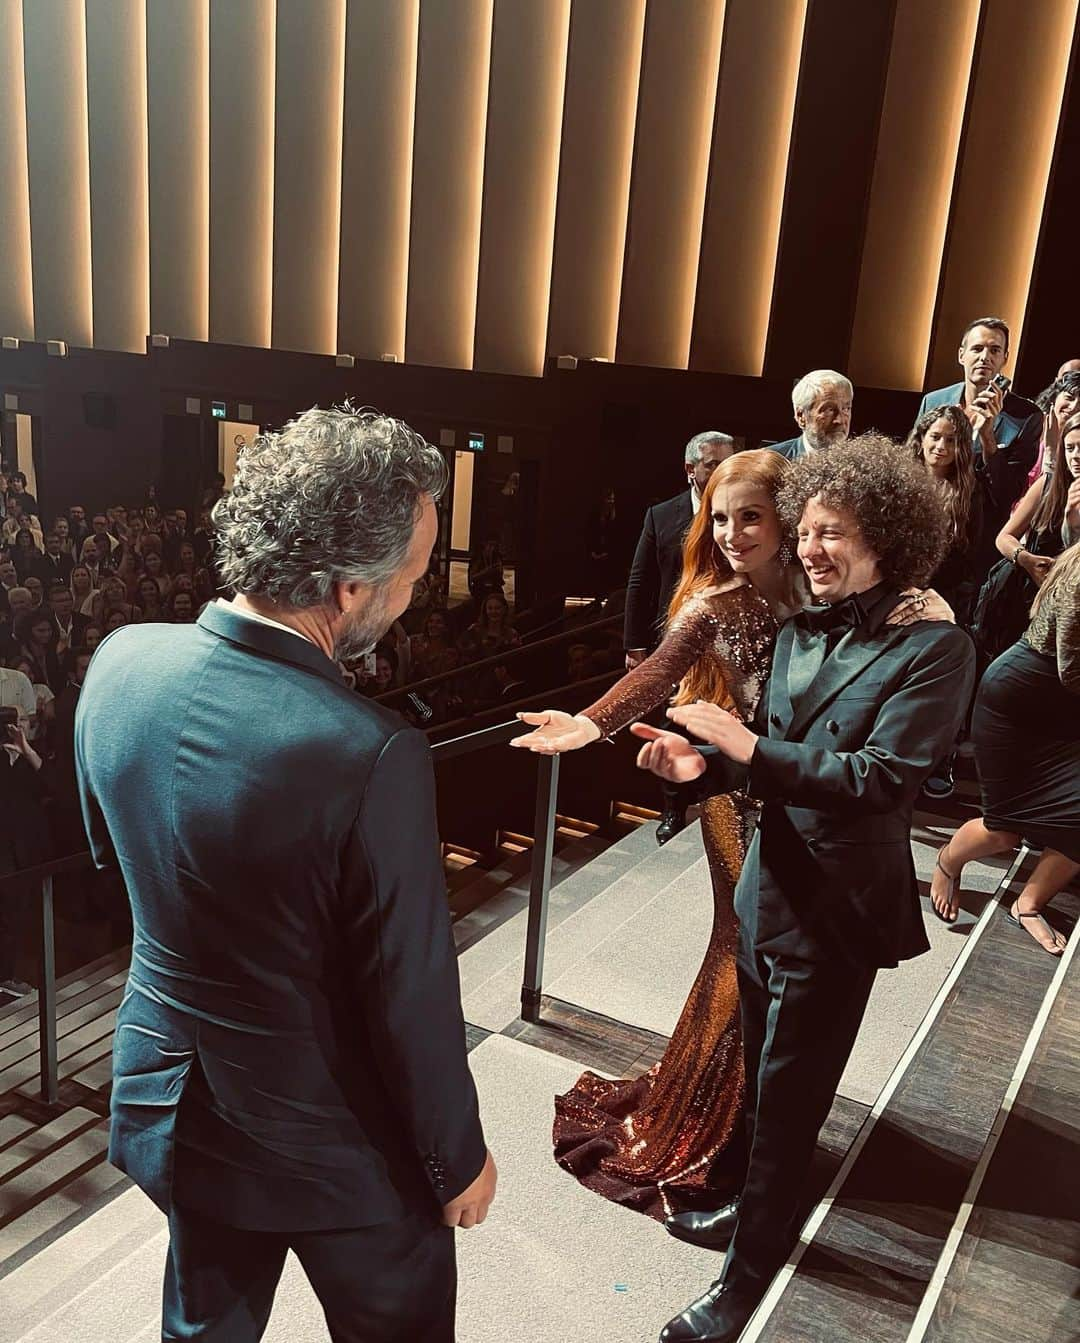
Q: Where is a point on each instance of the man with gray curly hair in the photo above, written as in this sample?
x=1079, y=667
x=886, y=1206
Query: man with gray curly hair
x=289, y=1063
x=821, y=402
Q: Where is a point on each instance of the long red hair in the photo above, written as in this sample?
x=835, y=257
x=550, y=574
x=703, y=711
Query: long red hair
x=704, y=564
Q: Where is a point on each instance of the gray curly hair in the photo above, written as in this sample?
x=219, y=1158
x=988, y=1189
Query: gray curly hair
x=332, y=497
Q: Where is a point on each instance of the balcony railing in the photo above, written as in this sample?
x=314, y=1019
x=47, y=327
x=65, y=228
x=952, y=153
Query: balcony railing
x=547, y=784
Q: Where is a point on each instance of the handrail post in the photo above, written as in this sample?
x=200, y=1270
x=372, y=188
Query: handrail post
x=547, y=792
x=47, y=996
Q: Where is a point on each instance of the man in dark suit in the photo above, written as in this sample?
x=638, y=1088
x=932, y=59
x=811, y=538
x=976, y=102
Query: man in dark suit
x=654, y=576
x=853, y=718
x=1007, y=428
x=289, y=1061
x=822, y=402
x=53, y=565
x=70, y=624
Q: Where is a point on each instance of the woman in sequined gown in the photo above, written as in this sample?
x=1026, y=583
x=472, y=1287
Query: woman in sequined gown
x=671, y=1140
x=658, y=1143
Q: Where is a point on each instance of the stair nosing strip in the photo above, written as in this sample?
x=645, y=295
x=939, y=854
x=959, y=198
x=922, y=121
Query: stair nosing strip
x=928, y=1304
x=822, y=1208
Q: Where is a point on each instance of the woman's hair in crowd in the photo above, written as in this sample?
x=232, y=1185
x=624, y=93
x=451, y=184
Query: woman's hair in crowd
x=894, y=502
x=960, y=483
x=1050, y=513
x=1064, y=572
x=704, y=565
x=333, y=497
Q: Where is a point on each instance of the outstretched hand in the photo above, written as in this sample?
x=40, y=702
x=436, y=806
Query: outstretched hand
x=667, y=755
x=556, y=732
x=708, y=722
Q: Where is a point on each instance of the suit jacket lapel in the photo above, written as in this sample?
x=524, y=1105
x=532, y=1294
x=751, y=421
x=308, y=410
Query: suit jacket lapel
x=779, y=697
x=855, y=652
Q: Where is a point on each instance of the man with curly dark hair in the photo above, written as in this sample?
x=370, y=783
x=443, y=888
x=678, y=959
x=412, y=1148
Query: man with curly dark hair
x=855, y=714
x=289, y=1066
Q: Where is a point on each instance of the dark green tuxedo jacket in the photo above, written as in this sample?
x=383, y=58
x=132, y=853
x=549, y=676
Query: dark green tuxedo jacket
x=829, y=871
x=290, y=1052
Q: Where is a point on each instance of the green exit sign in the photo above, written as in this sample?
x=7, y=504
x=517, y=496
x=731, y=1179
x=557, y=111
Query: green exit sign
x=217, y=409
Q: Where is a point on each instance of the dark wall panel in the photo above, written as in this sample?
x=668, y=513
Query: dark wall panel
x=1051, y=331
x=837, y=111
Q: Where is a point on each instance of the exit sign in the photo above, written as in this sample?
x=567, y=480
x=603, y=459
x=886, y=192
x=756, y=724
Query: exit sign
x=475, y=441
x=217, y=409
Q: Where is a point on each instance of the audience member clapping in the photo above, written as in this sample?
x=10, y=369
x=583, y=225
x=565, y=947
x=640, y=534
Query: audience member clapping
x=70, y=624
x=1059, y=403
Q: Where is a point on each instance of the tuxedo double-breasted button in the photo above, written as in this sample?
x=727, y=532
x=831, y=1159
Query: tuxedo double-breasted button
x=774, y=719
x=832, y=725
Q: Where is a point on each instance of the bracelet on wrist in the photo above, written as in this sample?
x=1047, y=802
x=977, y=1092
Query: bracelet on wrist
x=1017, y=553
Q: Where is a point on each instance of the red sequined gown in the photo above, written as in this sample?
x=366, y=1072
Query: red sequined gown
x=662, y=1143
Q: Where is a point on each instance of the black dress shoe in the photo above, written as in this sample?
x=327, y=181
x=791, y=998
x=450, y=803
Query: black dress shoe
x=710, y=1230
x=719, y=1316
x=671, y=822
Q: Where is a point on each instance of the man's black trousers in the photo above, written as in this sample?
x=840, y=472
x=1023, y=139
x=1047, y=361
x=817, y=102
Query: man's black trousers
x=799, y=1020
x=392, y=1283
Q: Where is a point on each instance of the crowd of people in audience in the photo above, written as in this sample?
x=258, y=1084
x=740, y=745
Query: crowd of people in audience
x=1008, y=471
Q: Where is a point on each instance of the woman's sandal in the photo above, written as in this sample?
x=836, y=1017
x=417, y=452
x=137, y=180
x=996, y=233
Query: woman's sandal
x=945, y=918
x=1015, y=915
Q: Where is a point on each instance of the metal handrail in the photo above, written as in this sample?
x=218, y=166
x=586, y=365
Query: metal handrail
x=494, y=660
x=547, y=786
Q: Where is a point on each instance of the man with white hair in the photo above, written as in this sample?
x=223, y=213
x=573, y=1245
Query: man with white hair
x=822, y=402
x=655, y=574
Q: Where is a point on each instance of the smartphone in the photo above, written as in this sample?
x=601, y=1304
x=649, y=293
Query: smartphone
x=9, y=718
x=1001, y=382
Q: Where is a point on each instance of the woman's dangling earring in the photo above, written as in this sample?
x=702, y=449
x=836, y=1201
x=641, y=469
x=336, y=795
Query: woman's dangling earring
x=784, y=554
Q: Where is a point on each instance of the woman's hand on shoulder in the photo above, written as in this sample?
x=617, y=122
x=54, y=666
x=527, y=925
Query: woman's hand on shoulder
x=555, y=732
x=917, y=604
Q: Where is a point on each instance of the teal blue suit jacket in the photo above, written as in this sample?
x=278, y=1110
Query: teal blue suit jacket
x=290, y=1052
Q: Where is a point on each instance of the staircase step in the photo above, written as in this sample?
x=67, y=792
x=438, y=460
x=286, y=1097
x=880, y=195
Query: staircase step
x=26, y=1045
x=23, y=1014
x=44, y=1177
x=75, y=1050
x=119, y=1304
x=872, y=1256
x=584, y=911
x=498, y=895
x=36, y=1141
x=76, y=1259
x=1012, y=1271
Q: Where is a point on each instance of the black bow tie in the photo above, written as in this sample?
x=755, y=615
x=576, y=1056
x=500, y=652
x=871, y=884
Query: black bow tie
x=829, y=619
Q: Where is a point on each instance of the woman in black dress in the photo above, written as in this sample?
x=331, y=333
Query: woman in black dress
x=1026, y=733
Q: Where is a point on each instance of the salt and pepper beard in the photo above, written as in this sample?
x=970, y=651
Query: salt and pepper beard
x=360, y=633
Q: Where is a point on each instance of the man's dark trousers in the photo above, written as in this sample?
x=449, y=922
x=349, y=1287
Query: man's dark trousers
x=784, y=1001
x=390, y=1283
